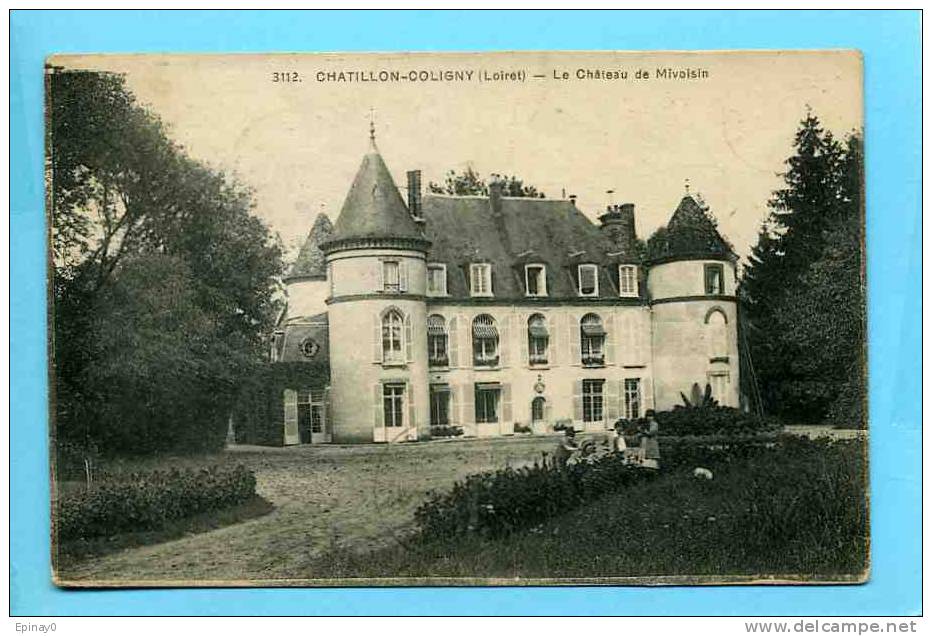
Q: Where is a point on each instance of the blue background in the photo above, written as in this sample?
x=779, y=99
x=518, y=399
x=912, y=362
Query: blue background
x=890, y=42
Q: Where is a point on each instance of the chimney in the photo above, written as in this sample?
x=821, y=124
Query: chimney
x=618, y=225
x=495, y=194
x=414, y=193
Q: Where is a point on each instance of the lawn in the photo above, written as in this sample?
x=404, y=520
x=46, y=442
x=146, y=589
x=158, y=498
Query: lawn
x=793, y=513
x=348, y=513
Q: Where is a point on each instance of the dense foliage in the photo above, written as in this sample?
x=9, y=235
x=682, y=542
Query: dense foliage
x=162, y=278
x=470, y=183
x=713, y=420
x=147, y=501
x=803, y=292
x=499, y=502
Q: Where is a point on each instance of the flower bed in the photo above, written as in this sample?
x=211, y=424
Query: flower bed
x=147, y=501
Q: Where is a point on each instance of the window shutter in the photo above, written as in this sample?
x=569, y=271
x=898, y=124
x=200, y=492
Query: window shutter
x=452, y=410
x=523, y=337
x=647, y=394
x=611, y=400
x=506, y=403
x=548, y=411
x=574, y=334
x=452, y=342
x=610, y=338
x=556, y=340
x=469, y=404
x=381, y=275
x=577, y=401
x=412, y=411
x=376, y=338
x=377, y=406
x=504, y=345
x=403, y=276
x=291, y=416
x=409, y=339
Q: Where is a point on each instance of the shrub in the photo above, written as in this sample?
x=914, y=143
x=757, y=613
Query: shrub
x=497, y=503
x=446, y=431
x=711, y=420
x=522, y=428
x=147, y=501
x=562, y=425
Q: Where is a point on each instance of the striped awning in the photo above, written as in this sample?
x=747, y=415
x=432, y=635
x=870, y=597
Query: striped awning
x=593, y=329
x=480, y=330
x=538, y=331
x=436, y=327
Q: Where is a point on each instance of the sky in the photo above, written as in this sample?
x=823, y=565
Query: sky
x=727, y=128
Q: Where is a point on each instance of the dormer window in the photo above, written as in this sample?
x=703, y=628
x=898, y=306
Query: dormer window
x=535, y=278
x=627, y=280
x=436, y=279
x=714, y=279
x=480, y=279
x=588, y=280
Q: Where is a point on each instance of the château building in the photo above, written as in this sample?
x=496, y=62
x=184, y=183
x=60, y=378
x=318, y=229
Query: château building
x=496, y=313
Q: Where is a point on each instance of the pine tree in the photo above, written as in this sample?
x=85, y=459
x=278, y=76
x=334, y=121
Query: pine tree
x=803, y=278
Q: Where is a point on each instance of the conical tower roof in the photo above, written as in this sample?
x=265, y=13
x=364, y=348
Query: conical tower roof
x=691, y=233
x=311, y=262
x=373, y=208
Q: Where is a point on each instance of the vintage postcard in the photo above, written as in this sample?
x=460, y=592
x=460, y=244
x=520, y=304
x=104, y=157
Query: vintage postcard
x=457, y=319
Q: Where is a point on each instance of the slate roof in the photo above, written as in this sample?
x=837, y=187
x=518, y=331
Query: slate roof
x=297, y=331
x=311, y=262
x=464, y=230
x=691, y=233
x=373, y=207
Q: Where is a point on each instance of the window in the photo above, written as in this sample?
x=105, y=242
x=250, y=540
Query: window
x=717, y=335
x=537, y=409
x=632, y=398
x=537, y=339
x=535, y=278
x=439, y=405
x=437, y=341
x=480, y=279
x=484, y=341
x=589, y=280
x=592, y=400
x=393, y=397
x=392, y=328
x=436, y=279
x=627, y=280
x=714, y=279
x=592, y=340
x=391, y=276
x=487, y=403
x=304, y=415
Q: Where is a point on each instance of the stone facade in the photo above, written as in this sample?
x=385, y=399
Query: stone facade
x=490, y=315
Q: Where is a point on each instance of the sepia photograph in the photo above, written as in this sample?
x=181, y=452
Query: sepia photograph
x=413, y=319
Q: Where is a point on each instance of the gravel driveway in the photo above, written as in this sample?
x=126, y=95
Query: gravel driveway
x=356, y=497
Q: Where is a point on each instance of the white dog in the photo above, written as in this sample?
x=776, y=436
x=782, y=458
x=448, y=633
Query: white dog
x=702, y=473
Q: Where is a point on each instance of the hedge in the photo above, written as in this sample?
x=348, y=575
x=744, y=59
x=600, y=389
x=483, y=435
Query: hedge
x=708, y=420
x=148, y=501
x=497, y=503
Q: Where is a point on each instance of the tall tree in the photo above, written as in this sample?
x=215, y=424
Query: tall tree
x=469, y=182
x=121, y=194
x=804, y=279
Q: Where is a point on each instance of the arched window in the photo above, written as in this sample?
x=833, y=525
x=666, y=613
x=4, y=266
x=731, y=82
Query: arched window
x=537, y=339
x=484, y=341
x=716, y=329
x=592, y=340
x=437, y=338
x=392, y=330
x=537, y=409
